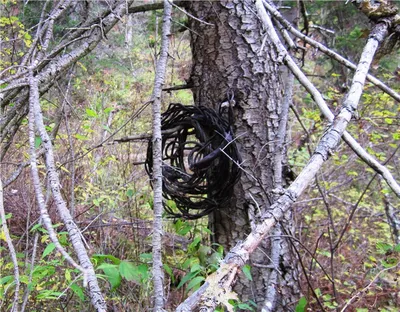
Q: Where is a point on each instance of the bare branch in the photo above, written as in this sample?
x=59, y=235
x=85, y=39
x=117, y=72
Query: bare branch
x=11, y=248
x=275, y=13
x=354, y=145
x=365, y=289
x=153, y=6
x=86, y=267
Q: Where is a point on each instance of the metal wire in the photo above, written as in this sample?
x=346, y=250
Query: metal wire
x=199, y=160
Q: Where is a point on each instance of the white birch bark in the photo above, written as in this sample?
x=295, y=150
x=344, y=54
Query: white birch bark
x=275, y=13
x=86, y=267
x=318, y=98
x=158, y=273
x=13, y=255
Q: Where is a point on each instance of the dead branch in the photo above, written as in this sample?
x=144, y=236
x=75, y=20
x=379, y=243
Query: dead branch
x=275, y=13
x=11, y=249
x=318, y=98
x=54, y=65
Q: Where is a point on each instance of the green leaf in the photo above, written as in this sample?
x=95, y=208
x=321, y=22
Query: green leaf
x=112, y=273
x=194, y=245
x=106, y=266
x=8, y=216
x=108, y=109
x=390, y=262
x=129, y=193
x=325, y=253
x=100, y=258
x=383, y=247
x=49, y=294
x=246, y=269
x=195, y=282
x=6, y=279
x=169, y=272
x=129, y=271
x=389, y=121
x=187, y=277
x=91, y=113
x=35, y=227
x=78, y=291
x=245, y=306
x=184, y=229
x=146, y=257
x=196, y=267
x=38, y=141
x=301, y=305
x=50, y=247
x=143, y=270
x=81, y=137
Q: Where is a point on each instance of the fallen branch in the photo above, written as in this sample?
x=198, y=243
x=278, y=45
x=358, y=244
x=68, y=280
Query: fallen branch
x=365, y=289
x=318, y=98
x=275, y=13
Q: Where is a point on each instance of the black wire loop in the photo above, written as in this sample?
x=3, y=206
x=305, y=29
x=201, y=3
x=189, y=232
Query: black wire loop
x=199, y=157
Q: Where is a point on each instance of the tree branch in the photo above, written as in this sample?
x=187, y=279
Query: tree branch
x=354, y=145
x=11, y=249
x=275, y=13
x=154, y=6
x=86, y=267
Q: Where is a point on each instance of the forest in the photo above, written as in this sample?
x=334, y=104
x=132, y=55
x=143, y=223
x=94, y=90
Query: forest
x=199, y=155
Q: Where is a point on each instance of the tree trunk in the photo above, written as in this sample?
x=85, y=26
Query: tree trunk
x=227, y=58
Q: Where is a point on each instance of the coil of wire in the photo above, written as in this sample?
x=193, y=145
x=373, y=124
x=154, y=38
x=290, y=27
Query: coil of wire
x=200, y=160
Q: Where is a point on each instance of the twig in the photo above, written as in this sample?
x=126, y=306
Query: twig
x=368, y=286
x=31, y=269
x=179, y=87
x=11, y=249
x=190, y=15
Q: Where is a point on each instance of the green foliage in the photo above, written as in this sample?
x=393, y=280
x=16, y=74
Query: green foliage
x=246, y=271
x=198, y=260
x=301, y=305
x=242, y=306
x=15, y=37
x=119, y=270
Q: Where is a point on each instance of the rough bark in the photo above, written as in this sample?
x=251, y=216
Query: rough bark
x=227, y=58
